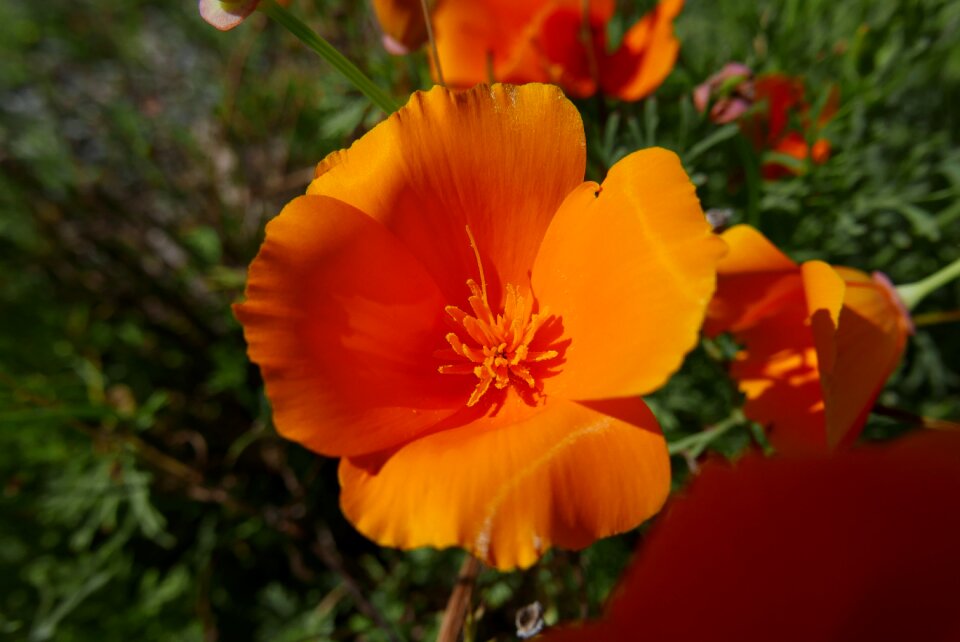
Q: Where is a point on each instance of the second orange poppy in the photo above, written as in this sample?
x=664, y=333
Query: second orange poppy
x=819, y=341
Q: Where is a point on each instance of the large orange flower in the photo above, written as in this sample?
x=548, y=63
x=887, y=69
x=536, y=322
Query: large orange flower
x=854, y=547
x=452, y=311
x=552, y=41
x=819, y=341
x=782, y=125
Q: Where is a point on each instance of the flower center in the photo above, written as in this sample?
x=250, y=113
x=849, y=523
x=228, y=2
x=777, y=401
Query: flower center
x=495, y=348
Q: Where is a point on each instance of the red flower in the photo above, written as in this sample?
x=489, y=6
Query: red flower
x=782, y=126
x=855, y=547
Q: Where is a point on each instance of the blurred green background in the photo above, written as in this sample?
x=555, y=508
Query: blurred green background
x=145, y=494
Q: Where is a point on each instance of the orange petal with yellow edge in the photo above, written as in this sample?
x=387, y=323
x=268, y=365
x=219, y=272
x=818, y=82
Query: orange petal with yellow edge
x=507, y=491
x=343, y=322
x=868, y=344
x=761, y=299
x=628, y=267
x=750, y=252
x=785, y=356
x=820, y=341
x=646, y=56
x=824, y=291
x=499, y=158
x=753, y=279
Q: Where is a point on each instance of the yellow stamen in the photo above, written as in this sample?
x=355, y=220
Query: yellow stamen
x=500, y=352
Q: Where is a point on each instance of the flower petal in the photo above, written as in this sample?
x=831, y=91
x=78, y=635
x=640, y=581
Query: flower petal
x=824, y=291
x=760, y=297
x=820, y=341
x=500, y=159
x=646, y=56
x=628, y=267
x=869, y=342
x=813, y=368
x=783, y=94
x=488, y=41
x=343, y=322
x=777, y=371
x=509, y=490
x=226, y=15
x=751, y=252
x=570, y=57
x=753, y=279
x=861, y=546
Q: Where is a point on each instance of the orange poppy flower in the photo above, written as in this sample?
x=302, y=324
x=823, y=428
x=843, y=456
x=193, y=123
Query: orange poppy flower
x=855, y=547
x=819, y=341
x=227, y=14
x=548, y=41
x=468, y=325
x=772, y=130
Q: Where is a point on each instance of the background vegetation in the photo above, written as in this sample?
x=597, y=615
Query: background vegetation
x=145, y=494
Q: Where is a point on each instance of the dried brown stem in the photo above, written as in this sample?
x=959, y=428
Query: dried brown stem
x=459, y=602
x=913, y=419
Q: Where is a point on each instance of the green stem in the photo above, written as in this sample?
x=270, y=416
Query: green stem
x=696, y=444
x=434, y=52
x=329, y=53
x=934, y=318
x=913, y=293
x=752, y=178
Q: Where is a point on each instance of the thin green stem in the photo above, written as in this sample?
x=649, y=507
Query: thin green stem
x=935, y=318
x=752, y=179
x=696, y=444
x=329, y=53
x=913, y=293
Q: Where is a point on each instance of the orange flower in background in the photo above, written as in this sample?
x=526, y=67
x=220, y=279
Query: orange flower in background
x=819, y=341
x=227, y=14
x=403, y=24
x=552, y=41
x=772, y=129
x=855, y=547
x=435, y=312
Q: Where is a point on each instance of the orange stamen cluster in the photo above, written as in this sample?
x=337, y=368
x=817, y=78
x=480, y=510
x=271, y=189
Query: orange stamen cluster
x=501, y=343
